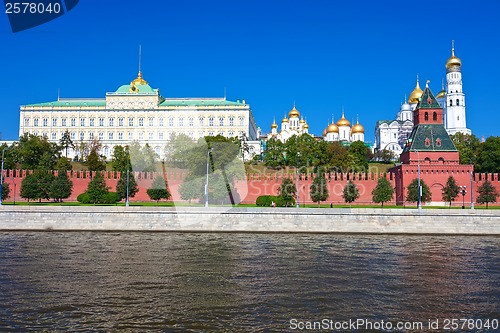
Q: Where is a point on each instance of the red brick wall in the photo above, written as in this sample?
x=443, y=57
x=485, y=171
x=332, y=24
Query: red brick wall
x=268, y=184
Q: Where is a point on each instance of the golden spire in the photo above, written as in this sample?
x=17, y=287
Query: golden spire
x=453, y=61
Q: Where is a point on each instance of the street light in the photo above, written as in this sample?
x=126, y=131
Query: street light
x=463, y=191
x=471, y=191
x=419, y=186
x=127, y=201
x=206, y=183
x=297, y=204
x=1, y=175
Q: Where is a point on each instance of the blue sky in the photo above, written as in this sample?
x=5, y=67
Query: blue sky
x=322, y=55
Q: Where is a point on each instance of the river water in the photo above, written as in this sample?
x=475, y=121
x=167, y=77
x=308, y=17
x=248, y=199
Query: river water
x=183, y=282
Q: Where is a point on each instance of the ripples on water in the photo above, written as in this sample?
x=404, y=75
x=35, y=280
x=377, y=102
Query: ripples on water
x=169, y=282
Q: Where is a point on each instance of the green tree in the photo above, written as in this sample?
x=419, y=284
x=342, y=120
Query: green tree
x=66, y=142
x=287, y=192
x=64, y=164
x=383, y=192
x=359, y=151
x=319, y=188
x=450, y=190
x=158, y=189
x=36, y=186
x=412, y=195
x=121, y=186
x=121, y=159
x=192, y=188
x=94, y=161
x=487, y=193
x=488, y=159
x=467, y=145
x=350, y=193
x=33, y=152
x=274, y=155
x=5, y=190
x=61, y=186
x=97, y=189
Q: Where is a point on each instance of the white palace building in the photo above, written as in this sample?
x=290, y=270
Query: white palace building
x=137, y=112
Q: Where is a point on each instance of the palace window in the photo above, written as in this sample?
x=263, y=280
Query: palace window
x=72, y=136
x=141, y=135
x=210, y=133
x=151, y=121
x=160, y=122
x=82, y=136
x=141, y=121
x=91, y=135
x=131, y=121
x=221, y=133
x=150, y=135
x=111, y=122
x=101, y=136
x=91, y=121
x=45, y=122
x=111, y=136
x=181, y=121
x=54, y=121
x=73, y=121
x=201, y=121
x=160, y=136
x=170, y=121
x=44, y=135
x=231, y=134
x=120, y=121
x=120, y=135
x=82, y=122
x=106, y=151
x=101, y=122
x=26, y=121
x=54, y=135
x=131, y=136
x=63, y=122
x=191, y=121
x=211, y=121
x=242, y=120
x=35, y=122
x=231, y=121
x=221, y=121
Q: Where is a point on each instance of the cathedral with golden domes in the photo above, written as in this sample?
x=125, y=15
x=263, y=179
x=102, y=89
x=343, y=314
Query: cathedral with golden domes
x=392, y=134
x=295, y=125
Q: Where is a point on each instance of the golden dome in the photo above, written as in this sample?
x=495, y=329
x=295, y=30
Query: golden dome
x=302, y=121
x=441, y=94
x=294, y=113
x=306, y=126
x=343, y=122
x=415, y=94
x=332, y=128
x=274, y=125
x=324, y=133
x=358, y=128
x=453, y=61
x=284, y=120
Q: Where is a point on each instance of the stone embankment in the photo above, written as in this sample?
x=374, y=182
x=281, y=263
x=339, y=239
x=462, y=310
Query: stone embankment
x=226, y=219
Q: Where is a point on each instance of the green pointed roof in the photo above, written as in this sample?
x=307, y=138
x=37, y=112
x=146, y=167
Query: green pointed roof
x=428, y=101
x=137, y=86
x=429, y=137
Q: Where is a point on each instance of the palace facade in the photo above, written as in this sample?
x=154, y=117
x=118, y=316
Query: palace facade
x=137, y=112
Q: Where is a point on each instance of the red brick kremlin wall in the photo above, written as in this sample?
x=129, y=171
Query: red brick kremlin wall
x=262, y=184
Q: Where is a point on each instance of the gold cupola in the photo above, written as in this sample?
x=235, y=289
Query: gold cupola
x=442, y=93
x=138, y=81
x=294, y=113
x=274, y=125
x=415, y=94
x=453, y=61
x=284, y=120
x=332, y=128
x=358, y=128
x=343, y=121
x=324, y=132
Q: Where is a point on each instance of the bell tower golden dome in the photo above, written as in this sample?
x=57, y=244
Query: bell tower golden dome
x=415, y=94
x=453, y=61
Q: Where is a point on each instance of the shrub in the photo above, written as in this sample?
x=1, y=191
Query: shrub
x=84, y=198
x=110, y=198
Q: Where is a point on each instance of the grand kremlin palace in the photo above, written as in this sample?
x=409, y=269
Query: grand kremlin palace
x=137, y=112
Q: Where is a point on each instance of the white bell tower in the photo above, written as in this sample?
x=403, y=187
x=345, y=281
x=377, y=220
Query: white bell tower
x=455, y=99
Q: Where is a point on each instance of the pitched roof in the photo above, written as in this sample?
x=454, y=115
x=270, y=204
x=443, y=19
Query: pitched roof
x=429, y=137
x=428, y=101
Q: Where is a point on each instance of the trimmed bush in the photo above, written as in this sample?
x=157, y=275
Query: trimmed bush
x=84, y=198
x=267, y=200
x=111, y=198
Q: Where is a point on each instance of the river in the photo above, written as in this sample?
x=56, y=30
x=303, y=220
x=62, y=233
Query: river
x=204, y=282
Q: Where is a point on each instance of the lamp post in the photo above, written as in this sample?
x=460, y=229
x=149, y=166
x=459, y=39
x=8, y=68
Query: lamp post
x=206, y=183
x=297, y=204
x=463, y=191
x=127, y=201
x=419, y=186
x=1, y=175
x=471, y=192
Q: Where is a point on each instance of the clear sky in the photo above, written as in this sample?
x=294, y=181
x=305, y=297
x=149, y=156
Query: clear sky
x=322, y=55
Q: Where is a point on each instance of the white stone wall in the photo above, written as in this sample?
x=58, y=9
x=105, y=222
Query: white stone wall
x=376, y=221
